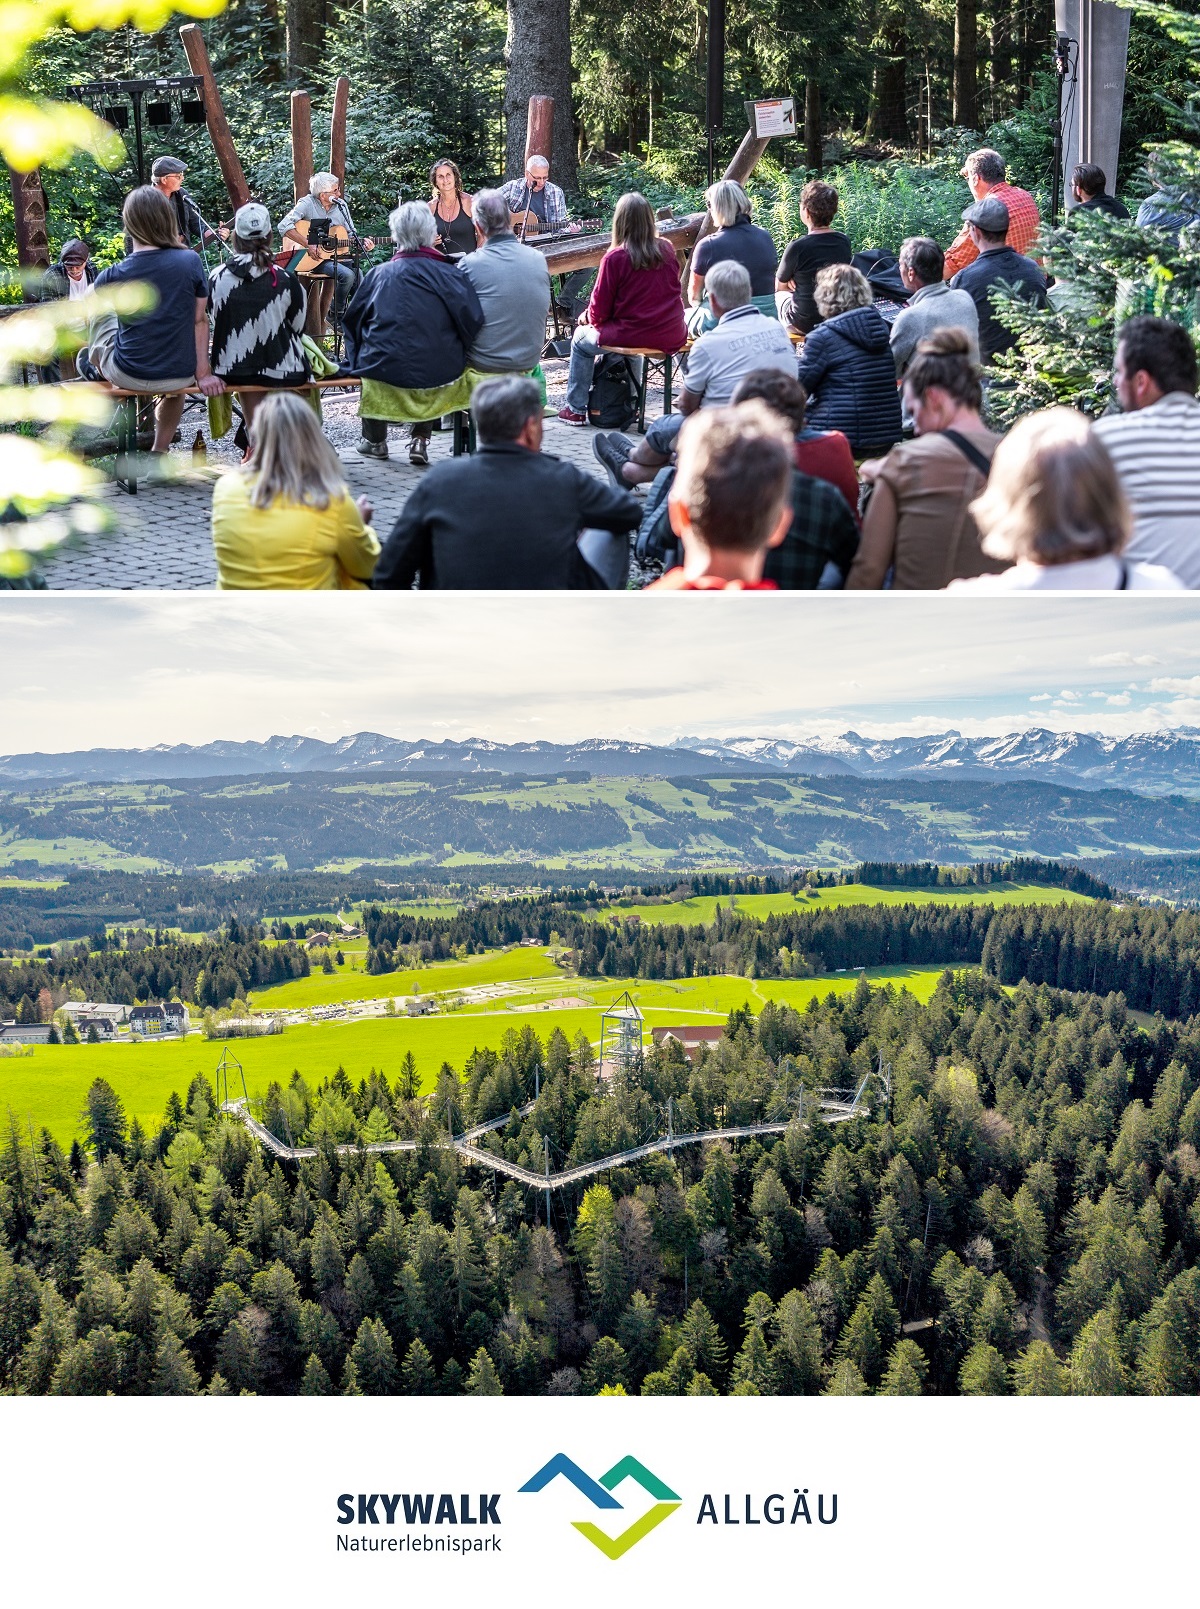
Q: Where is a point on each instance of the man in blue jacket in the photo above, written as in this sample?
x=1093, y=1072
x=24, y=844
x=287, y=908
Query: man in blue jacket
x=411, y=323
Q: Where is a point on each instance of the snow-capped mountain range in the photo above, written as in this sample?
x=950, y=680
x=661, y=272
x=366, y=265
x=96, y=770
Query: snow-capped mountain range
x=1148, y=762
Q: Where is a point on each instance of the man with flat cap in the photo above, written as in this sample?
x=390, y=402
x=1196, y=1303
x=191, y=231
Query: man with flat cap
x=997, y=264
x=167, y=176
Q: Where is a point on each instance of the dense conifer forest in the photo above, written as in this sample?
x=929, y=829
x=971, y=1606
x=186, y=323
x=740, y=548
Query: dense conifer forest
x=1020, y=1215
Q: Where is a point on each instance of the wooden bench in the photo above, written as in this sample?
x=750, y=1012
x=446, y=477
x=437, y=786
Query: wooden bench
x=130, y=403
x=651, y=359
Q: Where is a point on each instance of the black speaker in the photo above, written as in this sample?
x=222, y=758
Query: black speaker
x=158, y=114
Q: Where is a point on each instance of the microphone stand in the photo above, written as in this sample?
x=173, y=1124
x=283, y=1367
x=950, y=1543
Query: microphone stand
x=205, y=225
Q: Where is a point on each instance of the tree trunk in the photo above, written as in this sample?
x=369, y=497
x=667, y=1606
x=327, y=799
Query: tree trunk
x=889, y=114
x=966, y=64
x=814, y=154
x=29, y=219
x=538, y=58
x=305, y=36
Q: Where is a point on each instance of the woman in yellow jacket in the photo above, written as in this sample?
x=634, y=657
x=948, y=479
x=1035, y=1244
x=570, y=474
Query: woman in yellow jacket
x=287, y=520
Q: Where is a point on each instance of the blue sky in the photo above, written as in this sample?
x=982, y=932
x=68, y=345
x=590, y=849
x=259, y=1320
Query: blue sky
x=139, y=669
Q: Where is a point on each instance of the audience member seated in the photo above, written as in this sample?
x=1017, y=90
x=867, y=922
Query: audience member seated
x=69, y=278
x=1054, y=508
x=1089, y=187
x=996, y=263
x=258, y=314
x=918, y=532
x=729, y=502
x=1166, y=208
x=824, y=454
x=932, y=303
x=823, y=534
x=411, y=324
x=164, y=352
x=734, y=238
x=741, y=341
x=287, y=520
x=985, y=172
x=846, y=364
x=635, y=302
x=512, y=283
x=807, y=255
x=509, y=517
x=1154, y=443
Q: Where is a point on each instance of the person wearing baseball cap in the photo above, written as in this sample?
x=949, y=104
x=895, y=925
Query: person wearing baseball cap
x=257, y=313
x=166, y=175
x=995, y=263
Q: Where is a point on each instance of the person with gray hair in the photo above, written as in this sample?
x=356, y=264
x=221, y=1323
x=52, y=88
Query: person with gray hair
x=742, y=340
x=735, y=239
x=512, y=283
x=931, y=305
x=536, y=207
x=325, y=201
x=411, y=325
x=509, y=517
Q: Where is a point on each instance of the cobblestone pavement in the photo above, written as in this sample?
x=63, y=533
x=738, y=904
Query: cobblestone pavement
x=162, y=539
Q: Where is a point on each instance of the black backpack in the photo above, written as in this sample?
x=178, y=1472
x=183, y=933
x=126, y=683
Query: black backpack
x=612, y=401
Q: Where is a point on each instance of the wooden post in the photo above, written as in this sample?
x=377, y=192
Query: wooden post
x=302, y=151
x=539, y=130
x=214, y=112
x=29, y=219
x=743, y=163
x=337, y=130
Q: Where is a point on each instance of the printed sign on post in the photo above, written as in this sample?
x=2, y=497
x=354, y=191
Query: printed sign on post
x=770, y=118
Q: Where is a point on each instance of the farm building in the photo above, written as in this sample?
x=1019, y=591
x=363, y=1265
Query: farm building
x=90, y=1009
x=421, y=1005
x=689, y=1038
x=105, y=1027
x=25, y=1033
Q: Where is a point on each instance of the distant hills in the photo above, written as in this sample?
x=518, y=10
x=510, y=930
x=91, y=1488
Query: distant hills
x=1148, y=762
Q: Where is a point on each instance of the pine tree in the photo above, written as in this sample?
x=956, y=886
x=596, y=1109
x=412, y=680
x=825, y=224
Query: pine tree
x=906, y=1369
x=482, y=1379
x=104, y=1121
x=1037, y=1372
x=373, y=1359
x=316, y=1381
x=174, y=1372
x=418, y=1377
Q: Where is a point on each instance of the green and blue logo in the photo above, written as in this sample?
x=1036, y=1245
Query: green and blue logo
x=600, y=1494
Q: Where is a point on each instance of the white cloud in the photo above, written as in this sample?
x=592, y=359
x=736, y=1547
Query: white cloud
x=1123, y=657
x=140, y=669
x=1175, y=684
x=1117, y=700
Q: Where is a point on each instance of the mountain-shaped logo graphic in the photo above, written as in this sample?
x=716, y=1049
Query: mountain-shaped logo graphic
x=600, y=1493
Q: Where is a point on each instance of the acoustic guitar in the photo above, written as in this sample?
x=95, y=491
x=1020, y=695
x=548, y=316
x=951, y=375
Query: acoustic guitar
x=527, y=224
x=338, y=246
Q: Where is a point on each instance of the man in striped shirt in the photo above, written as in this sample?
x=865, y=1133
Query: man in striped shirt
x=1155, y=443
x=985, y=172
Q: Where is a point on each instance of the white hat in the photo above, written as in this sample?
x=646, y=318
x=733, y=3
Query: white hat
x=252, y=222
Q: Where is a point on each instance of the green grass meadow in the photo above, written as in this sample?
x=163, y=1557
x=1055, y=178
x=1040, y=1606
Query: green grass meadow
x=701, y=908
x=49, y=1086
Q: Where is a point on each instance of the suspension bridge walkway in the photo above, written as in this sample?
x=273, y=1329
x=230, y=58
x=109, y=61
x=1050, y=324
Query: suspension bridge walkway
x=832, y=1107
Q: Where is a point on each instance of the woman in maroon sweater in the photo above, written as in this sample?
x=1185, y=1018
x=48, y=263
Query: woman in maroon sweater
x=636, y=301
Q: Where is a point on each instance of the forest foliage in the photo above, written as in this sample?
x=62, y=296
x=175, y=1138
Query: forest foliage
x=1027, y=1198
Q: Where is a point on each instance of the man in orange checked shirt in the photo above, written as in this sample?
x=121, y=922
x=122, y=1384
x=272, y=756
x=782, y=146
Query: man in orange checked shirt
x=984, y=172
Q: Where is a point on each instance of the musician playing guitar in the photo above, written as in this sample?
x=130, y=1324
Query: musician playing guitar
x=324, y=201
x=536, y=206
